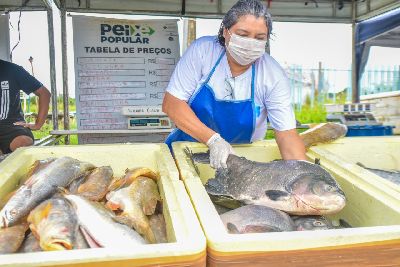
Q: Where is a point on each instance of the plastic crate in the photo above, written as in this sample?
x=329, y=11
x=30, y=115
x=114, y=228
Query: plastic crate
x=369, y=130
x=187, y=244
x=374, y=214
x=382, y=152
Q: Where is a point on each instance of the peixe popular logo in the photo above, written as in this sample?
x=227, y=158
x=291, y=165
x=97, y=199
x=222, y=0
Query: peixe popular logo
x=119, y=33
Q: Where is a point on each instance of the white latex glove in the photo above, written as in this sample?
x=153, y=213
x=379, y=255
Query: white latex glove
x=219, y=151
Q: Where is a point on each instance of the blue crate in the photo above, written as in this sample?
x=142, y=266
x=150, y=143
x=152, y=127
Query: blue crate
x=369, y=130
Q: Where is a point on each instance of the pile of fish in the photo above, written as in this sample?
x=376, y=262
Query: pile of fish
x=66, y=204
x=264, y=197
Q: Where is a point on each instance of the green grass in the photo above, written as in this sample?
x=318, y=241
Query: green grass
x=307, y=114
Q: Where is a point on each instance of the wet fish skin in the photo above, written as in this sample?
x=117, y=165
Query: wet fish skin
x=311, y=223
x=294, y=186
x=136, y=201
x=41, y=186
x=99, y=223
x=30, y=244
x=54, y=224
x=95, y=186
x=390, y=175
x=12, y=237
x=256, y=219
x=323, y=133
x=130, y=176
x=157, y=225
x=37, y=166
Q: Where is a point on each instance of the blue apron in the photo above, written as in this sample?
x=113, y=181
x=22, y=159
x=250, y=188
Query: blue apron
x=234, y=120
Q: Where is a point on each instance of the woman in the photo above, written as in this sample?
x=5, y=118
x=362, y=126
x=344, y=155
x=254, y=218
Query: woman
x=223, y=89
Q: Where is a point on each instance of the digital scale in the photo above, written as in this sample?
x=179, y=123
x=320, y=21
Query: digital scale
x=146, y=117
x=351, y=114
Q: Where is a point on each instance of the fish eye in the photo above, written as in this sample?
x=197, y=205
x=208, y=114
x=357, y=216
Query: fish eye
x=329, y=188
x=13, y=212
x=318, y=223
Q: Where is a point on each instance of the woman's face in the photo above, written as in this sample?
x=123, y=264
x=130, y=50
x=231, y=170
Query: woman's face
x=248, y=26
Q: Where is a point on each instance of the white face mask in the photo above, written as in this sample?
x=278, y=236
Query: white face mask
x=245, y=50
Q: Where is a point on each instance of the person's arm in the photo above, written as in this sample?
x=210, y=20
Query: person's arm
x=44, y=100
x=185, y=119
x=290, y=145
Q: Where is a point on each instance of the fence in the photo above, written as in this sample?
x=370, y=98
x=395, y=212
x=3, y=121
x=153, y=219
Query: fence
x=334, y=85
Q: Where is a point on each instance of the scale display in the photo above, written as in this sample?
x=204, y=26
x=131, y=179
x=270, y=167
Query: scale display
x=149, y=123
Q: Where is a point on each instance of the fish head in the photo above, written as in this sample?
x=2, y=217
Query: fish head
x=306, y=223
x=15, y=209
x=317, y=194
x=8, y=217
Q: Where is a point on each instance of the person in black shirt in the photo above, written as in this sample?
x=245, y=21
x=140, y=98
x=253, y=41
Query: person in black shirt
x=14, y=131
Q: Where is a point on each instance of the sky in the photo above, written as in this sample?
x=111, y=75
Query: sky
x=303, y=44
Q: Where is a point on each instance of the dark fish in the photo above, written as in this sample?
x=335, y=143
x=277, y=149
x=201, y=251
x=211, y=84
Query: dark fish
x=307, y=223
x=256, y=219
x=294, y=186
x=390, y=175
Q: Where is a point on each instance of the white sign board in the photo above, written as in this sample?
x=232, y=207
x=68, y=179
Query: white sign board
x=120, y=63
x=4, y=38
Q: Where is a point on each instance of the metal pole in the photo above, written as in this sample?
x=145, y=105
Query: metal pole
x=354, y=87
x=54, y=108
x=65, y=67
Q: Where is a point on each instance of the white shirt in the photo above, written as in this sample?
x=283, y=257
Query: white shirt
x=271, y=86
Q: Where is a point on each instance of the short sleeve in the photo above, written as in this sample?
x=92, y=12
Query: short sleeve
x=187, y=73
x=26, y=82
x=279, y=107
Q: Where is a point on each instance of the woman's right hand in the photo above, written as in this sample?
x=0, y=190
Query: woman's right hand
x=219, y=151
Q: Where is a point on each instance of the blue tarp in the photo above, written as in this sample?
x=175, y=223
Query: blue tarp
x=376, y=31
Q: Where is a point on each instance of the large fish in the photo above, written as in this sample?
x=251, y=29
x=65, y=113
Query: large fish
x=54, y=224
x=136, y=201
x=41, y=186
x=323, y=133
x=96, y=184
x=97, y=222
x=256, y=219
x=11, y=238
x=31, y=244
x=294, y=186
x=390, y=175
x=311, y=223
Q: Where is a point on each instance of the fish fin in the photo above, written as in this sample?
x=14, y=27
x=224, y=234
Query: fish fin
x=189, y=155
x=344, y=224
x=317, y=161
x=232, y=229
x=214, y=187
x=361, y=165
x=276, y=194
